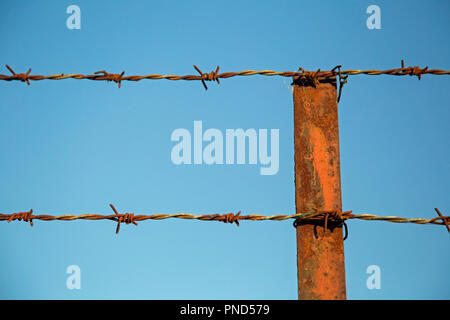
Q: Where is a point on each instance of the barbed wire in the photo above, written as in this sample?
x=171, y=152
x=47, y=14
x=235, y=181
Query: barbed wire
x=310, y=76
x=337, y=217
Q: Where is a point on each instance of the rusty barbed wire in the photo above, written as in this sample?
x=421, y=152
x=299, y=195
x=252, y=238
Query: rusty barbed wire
x=313, y=77
x=336, y=216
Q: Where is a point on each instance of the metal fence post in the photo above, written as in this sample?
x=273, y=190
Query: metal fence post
x=320, y=252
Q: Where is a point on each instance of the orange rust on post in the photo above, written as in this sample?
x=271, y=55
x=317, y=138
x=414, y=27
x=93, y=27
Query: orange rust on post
x=320, y=251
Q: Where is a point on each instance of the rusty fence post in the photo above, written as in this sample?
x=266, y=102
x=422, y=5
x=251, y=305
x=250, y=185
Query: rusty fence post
x=320, y=253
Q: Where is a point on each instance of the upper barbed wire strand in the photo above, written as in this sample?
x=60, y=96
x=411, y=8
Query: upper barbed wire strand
x=215, y=76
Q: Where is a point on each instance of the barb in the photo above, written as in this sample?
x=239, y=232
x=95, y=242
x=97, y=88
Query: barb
x=444, y=219
x=127, y=218
x=24, y=77
x=231, y=218
x=25, y=216
x=116, y=77
x=335, y=216
x=414, y=71
x=212, y=76
x=310, y=76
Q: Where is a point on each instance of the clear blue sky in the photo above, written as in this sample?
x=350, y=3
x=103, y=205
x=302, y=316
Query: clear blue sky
x=74, y=146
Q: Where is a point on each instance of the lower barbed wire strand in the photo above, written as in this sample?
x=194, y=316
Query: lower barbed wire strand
x=339, y=216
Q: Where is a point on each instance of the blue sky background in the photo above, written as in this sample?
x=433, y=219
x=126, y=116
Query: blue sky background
x=74, y=146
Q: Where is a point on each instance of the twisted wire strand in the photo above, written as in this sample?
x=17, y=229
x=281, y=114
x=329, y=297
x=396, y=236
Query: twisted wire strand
x=216, y=76
x=336, y=216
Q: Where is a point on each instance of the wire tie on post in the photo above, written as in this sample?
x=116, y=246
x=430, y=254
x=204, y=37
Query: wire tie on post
x=342, y=80
x=314, y=77
x=336, y=215
x=309, y=77
x=346, y=231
